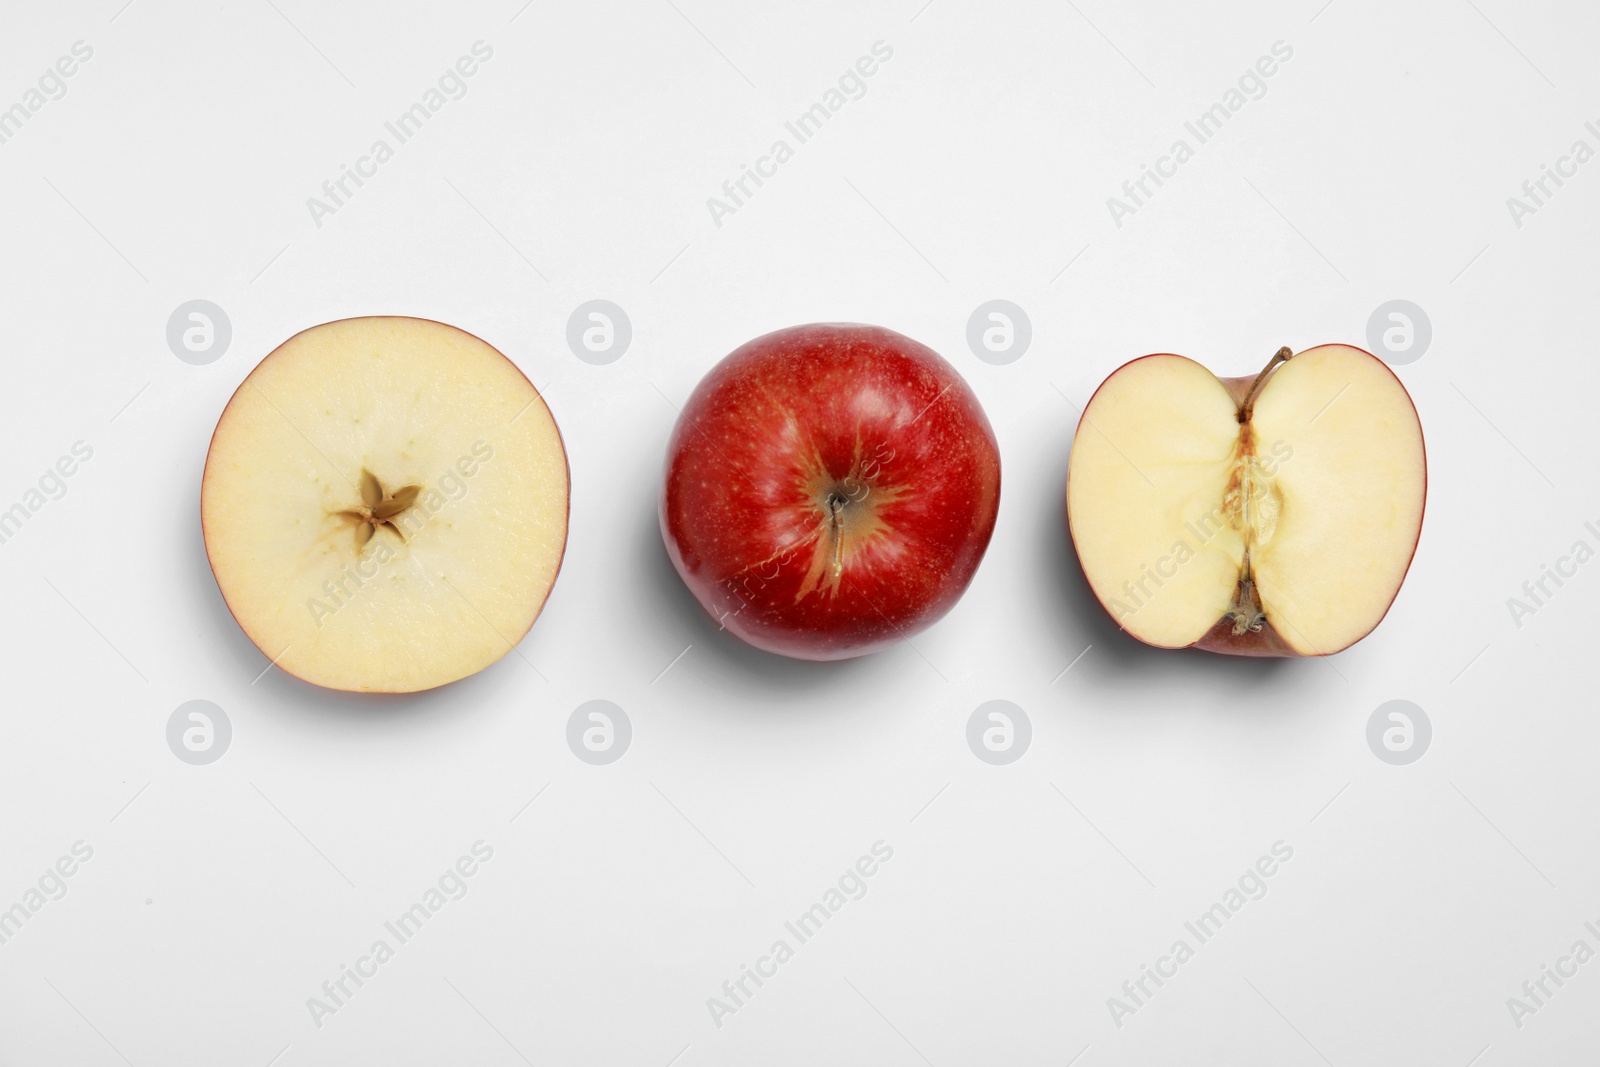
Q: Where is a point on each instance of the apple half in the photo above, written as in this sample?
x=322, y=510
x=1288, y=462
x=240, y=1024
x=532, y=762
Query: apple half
x=1267, y=516
x=384, y=504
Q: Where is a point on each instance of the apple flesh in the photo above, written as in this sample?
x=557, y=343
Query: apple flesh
x=830, y=490
x=1273, y=515
x=385, y=504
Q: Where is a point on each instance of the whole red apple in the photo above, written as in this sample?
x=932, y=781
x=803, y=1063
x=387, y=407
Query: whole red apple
x=830, y=490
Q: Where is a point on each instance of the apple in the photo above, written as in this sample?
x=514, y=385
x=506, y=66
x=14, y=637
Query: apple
x=1273, y=515
x=830, y=490
x=385, y=504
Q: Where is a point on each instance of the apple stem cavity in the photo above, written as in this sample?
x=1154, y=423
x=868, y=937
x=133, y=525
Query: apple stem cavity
x=1248, y=404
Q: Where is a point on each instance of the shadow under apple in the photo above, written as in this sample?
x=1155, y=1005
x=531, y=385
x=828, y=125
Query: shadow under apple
x=783, y=682
x=1119, y=659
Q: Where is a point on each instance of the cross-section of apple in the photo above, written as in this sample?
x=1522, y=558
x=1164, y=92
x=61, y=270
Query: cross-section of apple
x=1273, y=515
x=385, y=504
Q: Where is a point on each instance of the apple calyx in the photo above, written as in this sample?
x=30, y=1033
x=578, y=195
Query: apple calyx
x=1245, y=612
x=379, y=508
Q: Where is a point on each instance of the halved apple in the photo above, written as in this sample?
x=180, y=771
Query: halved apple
x=1266, y=516
x=385, y=504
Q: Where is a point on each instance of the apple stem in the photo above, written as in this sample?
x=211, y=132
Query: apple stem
x=835, y=508
x=1247, y=407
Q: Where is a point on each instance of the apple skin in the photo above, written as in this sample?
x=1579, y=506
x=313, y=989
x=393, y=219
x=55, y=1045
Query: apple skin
x=1264, y=642
x=830, y=490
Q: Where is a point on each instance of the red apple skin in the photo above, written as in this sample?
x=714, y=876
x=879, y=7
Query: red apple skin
x=830, y=490
x=1264, y=642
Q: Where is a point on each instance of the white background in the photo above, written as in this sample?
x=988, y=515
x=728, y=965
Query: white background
x=977, y=166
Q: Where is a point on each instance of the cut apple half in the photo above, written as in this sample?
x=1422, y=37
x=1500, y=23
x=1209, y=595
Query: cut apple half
x=1273, y=515
x=385, y=504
